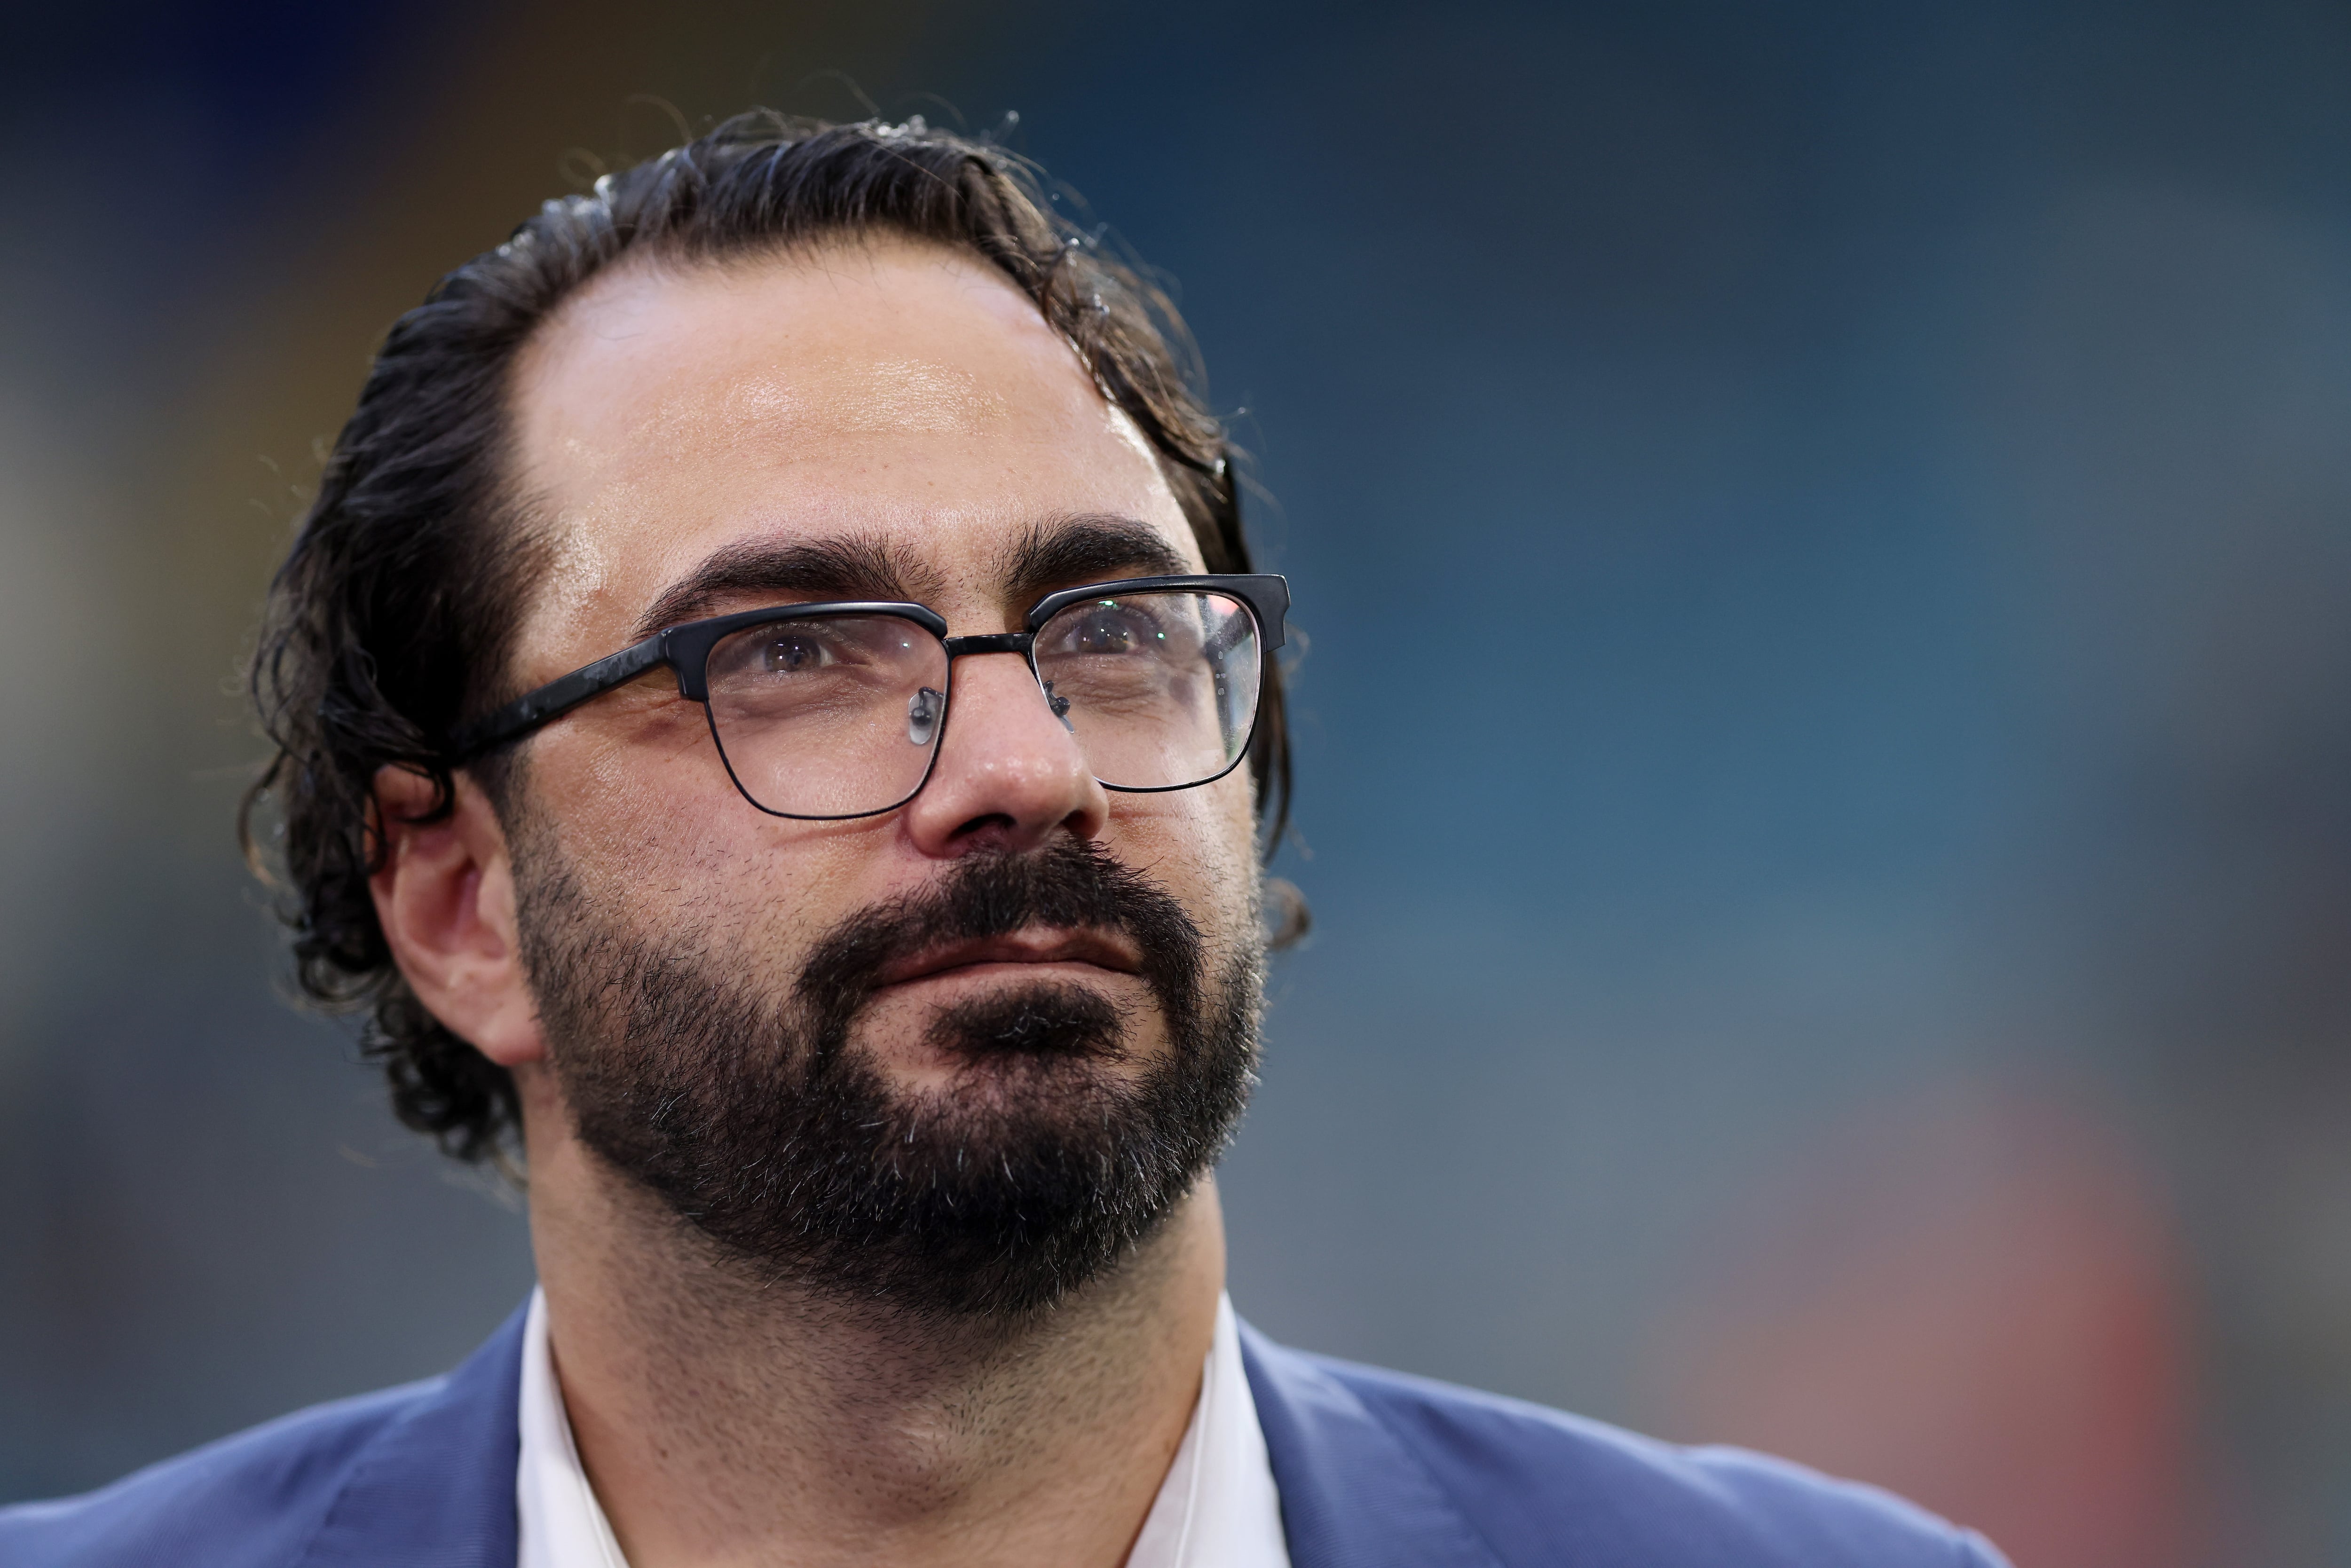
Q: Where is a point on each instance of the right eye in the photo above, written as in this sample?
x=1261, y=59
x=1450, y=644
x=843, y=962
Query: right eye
x=795, y=653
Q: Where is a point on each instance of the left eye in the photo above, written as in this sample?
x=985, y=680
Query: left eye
x=1108, y=631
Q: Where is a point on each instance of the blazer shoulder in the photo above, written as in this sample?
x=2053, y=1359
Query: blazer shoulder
x=255, y=1498
x=1543, y=1487
x=422, y=1473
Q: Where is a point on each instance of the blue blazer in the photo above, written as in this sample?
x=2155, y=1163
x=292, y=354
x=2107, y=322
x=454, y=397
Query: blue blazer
x=1375, y=1470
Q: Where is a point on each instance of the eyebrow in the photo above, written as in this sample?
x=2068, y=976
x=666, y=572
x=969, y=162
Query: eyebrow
x=1060, y=553
x=850, y=569
x=1086, y=546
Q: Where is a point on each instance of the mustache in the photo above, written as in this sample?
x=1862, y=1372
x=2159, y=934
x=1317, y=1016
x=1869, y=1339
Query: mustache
x=1068, y=885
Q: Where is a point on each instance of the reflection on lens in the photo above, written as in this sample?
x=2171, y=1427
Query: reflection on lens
x=1159, y=688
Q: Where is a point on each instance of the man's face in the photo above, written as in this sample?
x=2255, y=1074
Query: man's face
x=1017, y=969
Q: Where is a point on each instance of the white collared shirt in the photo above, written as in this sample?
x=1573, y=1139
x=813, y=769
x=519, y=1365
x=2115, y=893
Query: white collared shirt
x=1217, y=1509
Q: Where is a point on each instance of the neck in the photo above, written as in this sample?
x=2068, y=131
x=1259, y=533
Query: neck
x=727, y=1420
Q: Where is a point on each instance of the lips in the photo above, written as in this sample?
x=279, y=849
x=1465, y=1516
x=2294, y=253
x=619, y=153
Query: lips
x=1103, y=950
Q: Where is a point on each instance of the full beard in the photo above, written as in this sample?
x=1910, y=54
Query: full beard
x=1043, y=1161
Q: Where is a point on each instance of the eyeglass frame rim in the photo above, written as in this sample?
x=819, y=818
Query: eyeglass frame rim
x=685, y=649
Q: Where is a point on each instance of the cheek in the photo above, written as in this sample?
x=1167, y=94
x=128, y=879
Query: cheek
x=688, y=863
x=1201, y=843
x=638, y=816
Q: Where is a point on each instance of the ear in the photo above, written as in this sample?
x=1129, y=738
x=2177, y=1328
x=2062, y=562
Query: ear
x=445, y=895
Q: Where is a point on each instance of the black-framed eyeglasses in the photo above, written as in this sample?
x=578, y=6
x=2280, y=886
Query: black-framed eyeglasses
x=829, y=711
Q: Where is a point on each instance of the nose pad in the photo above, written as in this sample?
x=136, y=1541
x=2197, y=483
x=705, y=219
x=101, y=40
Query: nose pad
x=923, y=710
x=1060, y=706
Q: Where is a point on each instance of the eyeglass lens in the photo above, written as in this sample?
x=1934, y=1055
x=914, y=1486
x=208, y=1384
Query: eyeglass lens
x=839, y=715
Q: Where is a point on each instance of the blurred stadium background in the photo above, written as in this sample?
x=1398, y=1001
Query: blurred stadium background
x=1824, y=534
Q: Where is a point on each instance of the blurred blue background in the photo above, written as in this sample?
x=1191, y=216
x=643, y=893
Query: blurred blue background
x=1823, y=537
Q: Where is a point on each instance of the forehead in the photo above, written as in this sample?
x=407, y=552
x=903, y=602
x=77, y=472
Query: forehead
x=888, y=392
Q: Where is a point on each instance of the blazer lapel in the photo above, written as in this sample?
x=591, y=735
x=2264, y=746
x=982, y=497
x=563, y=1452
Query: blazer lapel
x=436, y=1488
x=1352, y=1495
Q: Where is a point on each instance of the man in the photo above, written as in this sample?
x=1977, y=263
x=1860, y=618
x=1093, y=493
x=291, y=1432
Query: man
x=775, y=715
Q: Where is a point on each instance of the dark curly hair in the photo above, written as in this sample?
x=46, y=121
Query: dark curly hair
x=390, y=623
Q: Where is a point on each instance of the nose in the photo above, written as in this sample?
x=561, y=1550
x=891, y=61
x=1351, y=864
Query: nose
x=1009, y=775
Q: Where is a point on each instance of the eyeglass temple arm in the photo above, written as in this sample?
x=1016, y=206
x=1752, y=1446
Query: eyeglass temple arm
x=558, y=697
